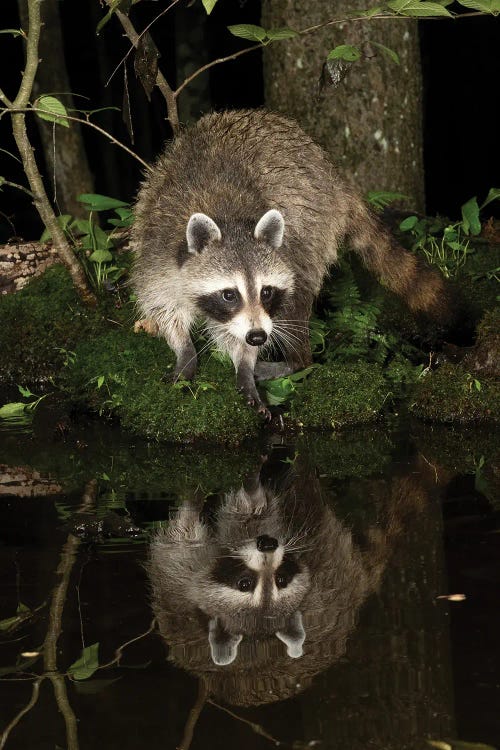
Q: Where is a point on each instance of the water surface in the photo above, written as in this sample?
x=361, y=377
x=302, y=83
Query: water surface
x=346, y=548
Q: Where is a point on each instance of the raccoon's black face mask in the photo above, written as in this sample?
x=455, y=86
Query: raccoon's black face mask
x=224, y=645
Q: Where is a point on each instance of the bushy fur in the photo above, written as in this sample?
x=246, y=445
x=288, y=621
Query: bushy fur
x=339, y=576
x=232, y=168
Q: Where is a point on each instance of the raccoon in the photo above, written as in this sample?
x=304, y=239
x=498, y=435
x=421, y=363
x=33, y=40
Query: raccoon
x=237, y=225
x=262, y=594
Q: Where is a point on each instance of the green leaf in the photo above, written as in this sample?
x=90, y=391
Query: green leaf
x=278, y=391
x=382, y=198
x=387, y=51
x=344, y=52
x=114, y=5
x=485, y=6
x=248, y=31
x=25, y=392
x=416, y=8
x=470, y=217
x=408, y=223
x=63, y=220
x=285, y=33
x=53, y=110
x=81, y=226
x=13, y=409
x=10, y=622
x=371, y=12
x=96, y=202
x=87, y=664
x=493, y=194
x=209, y=5
x=101, y=255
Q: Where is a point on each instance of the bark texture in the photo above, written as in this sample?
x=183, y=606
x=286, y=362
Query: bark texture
x=371, y=123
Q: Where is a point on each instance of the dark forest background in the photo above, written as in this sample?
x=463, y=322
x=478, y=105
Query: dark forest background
x=461, y=69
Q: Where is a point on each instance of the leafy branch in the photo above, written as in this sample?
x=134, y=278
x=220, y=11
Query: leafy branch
x=40, y=197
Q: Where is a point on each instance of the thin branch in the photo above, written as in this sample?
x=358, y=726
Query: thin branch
x=15, y=185
x=194, y=715
x=219, y=60
x=90, y=124
x=32, y=40
x=257, y=728
x=40, y=197
x=161, y=82
x=119, y=651
x=312, y=30
x=61, y=694
x=15, y=721
x=64, y=569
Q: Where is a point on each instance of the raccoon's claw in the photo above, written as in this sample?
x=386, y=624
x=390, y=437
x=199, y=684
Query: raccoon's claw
x=260, y=408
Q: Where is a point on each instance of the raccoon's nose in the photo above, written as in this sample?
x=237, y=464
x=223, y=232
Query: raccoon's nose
x=256, y=337
x=266, y=543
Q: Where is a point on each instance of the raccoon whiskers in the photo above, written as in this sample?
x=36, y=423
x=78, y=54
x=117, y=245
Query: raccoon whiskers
x=289, y=339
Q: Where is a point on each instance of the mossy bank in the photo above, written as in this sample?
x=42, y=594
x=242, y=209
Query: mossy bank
x=92, y=357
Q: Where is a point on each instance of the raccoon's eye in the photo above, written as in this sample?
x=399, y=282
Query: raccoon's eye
x=245, y=584
x=281, y=581
x=228, y=295
x=266, y=293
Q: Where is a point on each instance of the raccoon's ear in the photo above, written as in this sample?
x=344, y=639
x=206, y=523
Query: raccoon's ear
x=270, y=228
x=223, y=645
x=293, y=635
x=200, y=230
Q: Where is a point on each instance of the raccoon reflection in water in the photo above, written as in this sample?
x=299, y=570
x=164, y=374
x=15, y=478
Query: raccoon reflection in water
x=261, y=593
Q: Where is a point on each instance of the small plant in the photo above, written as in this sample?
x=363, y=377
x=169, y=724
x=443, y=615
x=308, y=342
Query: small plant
x=21, y=410
x=201, y=387
x=281, y=390
x=109, y=381
x=354, y=325
x=95, y=246
x=448, y=245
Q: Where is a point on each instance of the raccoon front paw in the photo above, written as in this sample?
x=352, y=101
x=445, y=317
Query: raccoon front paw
x=260, y=408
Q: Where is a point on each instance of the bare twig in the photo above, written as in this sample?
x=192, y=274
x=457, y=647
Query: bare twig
x=119, y=651
x=34, y=697
x=90, y=124
x=257, y=728
x=194, y=715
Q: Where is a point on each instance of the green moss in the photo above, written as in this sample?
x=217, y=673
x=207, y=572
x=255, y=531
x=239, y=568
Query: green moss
x=126, y=468
x=476, y=284
x=122, y=374
x=36, y=323
x=457, y=449
x=488, y=333
x=452, y=394
x=350, y=453
x=40, y=324
x=338, y=395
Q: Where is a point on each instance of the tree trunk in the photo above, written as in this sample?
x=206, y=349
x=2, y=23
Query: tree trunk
x=371, y=123
x=65, y=158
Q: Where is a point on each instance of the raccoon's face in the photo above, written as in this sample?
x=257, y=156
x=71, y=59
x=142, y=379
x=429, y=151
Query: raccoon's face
x=259, y=579
x=256, y=588
x=240, y=289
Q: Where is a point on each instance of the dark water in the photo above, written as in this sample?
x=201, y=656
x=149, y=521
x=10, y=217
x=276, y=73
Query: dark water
x=375, y=530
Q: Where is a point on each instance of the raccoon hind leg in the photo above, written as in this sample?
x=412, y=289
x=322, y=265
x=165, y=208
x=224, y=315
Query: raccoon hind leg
x=177, y=335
